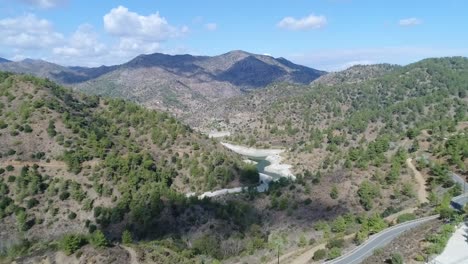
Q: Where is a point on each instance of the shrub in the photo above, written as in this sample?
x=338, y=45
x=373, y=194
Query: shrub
x=334, y=253
x=31, y=203
x=64, y=195
x=27, y=128
x=98, y=239
x=320, y=254
x=397, y=258
x=10, y=168
x=72, y=216
x=71, y=243
x=419, y=258
x=406, y=217
x=336, y=243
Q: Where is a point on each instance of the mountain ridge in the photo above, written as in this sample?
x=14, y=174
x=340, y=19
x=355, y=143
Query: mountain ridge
x=178, y=83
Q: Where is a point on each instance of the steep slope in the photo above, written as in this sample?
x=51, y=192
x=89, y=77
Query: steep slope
x=2, y=60
x=64, y=154
x=348, y=143
x=178, y=83
x=365, y=125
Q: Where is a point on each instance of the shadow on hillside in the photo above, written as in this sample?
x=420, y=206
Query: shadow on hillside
x=223, y=217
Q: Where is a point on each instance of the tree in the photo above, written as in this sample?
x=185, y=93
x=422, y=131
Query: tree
x=21, y=222
x=71, y=243
x=127, y=237
x=339, y=225
x=98, y=239
x=361, y=236
x=367, y=193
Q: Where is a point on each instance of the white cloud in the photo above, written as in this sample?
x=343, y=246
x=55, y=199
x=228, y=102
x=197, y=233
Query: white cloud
x=407, y=22
x=44, y=3
x=83, y=43
x=28, y=32
x=305, y=23
x=123, y=23
x=211, y=26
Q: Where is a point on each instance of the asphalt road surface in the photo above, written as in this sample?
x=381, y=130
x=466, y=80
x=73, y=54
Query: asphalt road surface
x=379, y=240
x=383, y=238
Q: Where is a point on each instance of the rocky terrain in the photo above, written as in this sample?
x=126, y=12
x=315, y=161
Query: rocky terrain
x=178, y=83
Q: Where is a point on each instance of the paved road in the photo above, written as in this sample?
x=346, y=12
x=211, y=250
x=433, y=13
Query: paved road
x=383, y=238
x=379, y=240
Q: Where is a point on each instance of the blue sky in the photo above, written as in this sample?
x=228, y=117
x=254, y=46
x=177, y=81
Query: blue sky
x=324, y=34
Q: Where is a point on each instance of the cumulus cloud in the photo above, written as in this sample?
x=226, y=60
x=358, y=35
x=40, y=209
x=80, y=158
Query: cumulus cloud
x=408, y=22
x=44, y=3
x=123, y=23
x=83, y=43
x=211, y=26
x=28, y=32
x=305, y=23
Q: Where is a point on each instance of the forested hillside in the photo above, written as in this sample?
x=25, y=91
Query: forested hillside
x=340, y=119
x=80, y=169
x=70, y=162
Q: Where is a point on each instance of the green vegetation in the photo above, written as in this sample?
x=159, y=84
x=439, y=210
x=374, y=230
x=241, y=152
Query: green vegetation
x=367, y=193
x=397, y=258
x=71, y=243
x=405, y=217
x=439, y=241
x=320, y=254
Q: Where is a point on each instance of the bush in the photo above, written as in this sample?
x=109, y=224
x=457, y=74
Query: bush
x=207, y=245
x=419, y=258
x=63, y=196
x=397, y=258
x=334, y=253
x=406, y=217
x=2, y=170
x=10, y=168
x=31, y=203
x=11, y=178
x=71, y=243
x=27, y=128
x=320, y=254
x=336, y=243
x=98, y=239
x=72, y=216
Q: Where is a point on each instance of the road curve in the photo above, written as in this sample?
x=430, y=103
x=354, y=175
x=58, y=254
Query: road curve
x=378, y=240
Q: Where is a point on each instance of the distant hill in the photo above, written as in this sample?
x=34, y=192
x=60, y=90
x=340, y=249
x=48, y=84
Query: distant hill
x=180, y=83
x=2, y=60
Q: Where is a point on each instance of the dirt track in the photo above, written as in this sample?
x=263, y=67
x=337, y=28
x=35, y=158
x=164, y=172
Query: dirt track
x=422, y=192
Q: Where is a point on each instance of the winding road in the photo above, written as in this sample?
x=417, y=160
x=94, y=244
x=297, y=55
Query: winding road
x=379, y=240
x=383, y=238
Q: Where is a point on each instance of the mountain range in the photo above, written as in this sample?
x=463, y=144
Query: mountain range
x=179, y=83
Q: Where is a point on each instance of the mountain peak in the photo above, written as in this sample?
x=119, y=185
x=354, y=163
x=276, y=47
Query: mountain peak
x=2, y=60
x=237, y=53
